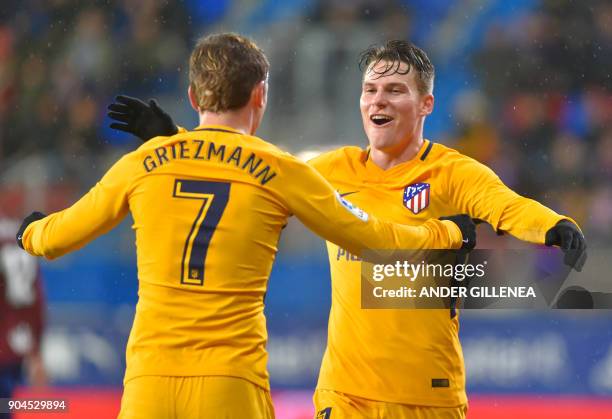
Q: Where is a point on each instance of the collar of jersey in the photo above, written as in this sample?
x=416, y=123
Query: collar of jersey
x=372, y=168
x=222, y=128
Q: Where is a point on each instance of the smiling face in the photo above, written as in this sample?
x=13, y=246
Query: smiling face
x=392, y=108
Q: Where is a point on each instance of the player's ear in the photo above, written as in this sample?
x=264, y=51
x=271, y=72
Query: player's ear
x=193, y=100
x=259, y=94
x=427, y=104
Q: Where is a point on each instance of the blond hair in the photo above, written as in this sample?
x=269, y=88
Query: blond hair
x=224, y=69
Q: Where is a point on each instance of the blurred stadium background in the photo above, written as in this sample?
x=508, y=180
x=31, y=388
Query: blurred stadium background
x=524, y=86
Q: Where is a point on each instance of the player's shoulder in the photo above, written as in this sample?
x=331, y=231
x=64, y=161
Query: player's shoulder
x=267, y=147
x=147, y=147
x=125, y=163
x=345, y=153
x=450, y=156
x=219, y=136
x=456, y=163
x=439, y=150
x=337, y=159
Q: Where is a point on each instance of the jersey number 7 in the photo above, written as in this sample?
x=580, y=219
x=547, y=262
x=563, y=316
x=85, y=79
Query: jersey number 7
x=214, y=197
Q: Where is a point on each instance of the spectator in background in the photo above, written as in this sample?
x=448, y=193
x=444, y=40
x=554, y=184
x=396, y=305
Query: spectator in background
x=58, y=60
x=21, y=314
x=549, y=89
x=545, y=73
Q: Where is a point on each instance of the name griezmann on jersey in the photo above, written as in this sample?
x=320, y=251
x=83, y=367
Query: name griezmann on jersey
x=209, y=151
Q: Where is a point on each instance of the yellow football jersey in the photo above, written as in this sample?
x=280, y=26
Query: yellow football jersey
x=410, y=356
x=208, y=208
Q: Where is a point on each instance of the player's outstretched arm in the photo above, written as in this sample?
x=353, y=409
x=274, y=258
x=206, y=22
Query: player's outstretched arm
x=98, y=211
x=478, y=191
x=313, y=200
x=145, y=121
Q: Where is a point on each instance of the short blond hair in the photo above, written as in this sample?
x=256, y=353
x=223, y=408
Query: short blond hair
x=224, y=69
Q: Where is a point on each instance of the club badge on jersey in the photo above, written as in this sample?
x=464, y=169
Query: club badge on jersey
x=416, y=197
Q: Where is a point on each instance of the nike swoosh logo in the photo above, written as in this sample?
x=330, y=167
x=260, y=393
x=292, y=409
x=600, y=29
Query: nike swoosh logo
x=466, y=240
x=348, y=193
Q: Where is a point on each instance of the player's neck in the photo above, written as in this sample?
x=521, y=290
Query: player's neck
x=388, y=158
x=241, y=120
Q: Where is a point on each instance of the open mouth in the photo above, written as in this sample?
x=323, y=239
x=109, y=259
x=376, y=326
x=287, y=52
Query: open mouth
x=380, y=119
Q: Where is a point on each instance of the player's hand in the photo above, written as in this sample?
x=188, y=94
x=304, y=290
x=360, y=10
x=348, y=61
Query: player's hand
x=138, y=118
x=467, y=227
x=568, y=237
x=35, y=216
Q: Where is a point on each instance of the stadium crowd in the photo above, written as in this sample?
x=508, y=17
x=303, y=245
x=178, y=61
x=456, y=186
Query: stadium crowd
x=540, y=115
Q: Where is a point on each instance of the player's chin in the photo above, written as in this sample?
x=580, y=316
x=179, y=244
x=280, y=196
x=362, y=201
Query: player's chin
x=379, y=130
x=379, y=140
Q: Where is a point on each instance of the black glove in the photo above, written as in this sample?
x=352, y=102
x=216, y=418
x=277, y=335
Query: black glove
x=138, y=118
x=575, y=298
x=566, y=235
x=467, y=227
x=26, y=222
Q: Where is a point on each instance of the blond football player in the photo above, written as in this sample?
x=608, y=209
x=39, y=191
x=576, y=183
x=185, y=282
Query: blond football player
x=208, y=208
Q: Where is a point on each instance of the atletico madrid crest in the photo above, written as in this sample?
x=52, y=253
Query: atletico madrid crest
x=416, y=197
